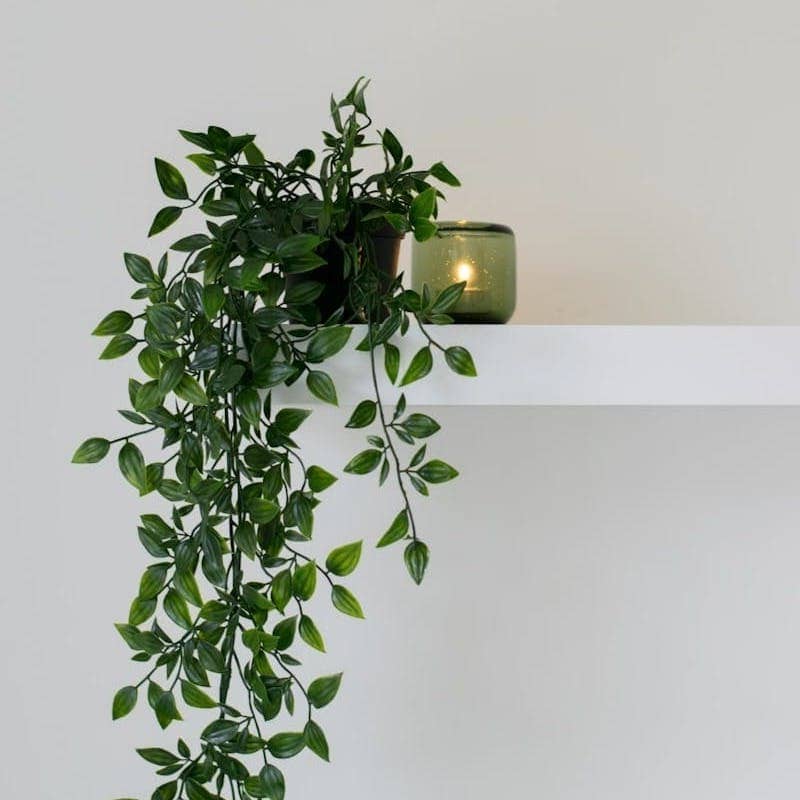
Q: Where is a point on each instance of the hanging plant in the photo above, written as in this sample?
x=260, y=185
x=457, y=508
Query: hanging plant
x=290, y=263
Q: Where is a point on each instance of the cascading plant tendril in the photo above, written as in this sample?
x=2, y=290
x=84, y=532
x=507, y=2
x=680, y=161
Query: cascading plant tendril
x=216, y=334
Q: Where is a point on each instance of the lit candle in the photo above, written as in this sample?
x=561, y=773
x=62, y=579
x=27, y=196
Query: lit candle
x=465, y=272
x=480, y=255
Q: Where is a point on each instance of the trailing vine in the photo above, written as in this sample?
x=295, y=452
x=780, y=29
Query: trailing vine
x=233, y=574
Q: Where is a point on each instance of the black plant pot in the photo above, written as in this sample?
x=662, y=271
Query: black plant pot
x=386, y=248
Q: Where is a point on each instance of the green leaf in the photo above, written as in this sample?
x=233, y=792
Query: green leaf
x=262, y=510
x=304, y=292
x=285, y=630
x=295, y=265
x=420, y=426
x=392, y=145
x=154, y=475
x=258, y=457
x=441, y=173
x=217, y=612
x=190, y=390
x=164, y=318
x=153, y=581
x=157, y=756
x=319, y=479
x=391, y=361
x=447, y=298
x=166, y=710
x=416, y=558
x=288, y=420
x=163, y=219
x=298, y=245
x=188, y=244
x=227, y=377
x=273, y=782
x=141, y=610
x=281, y=591
x=171, y=374
x=122, y=343
x=343, y=560
x=256, y=640
x=345, y=601
x=423, y=205
x=310, y=634
x=220, y=731
x=249, y=404
x=195, y=791
x=91, y=451
x=150, y=362
x=363, y=415
x=424, y=229
x=460, y=361
x=220, y=208
x=304, y=581
x=397, y=530
x=148, y=396
x=124, y=702
x=115, y=322
x=419, y=367
x=132, y=416
x=274, y=374
x=364, y=462
x=186, y=586
x=418, y=456
x=300, y=512
x=286, y=745
x=172, y=183
x=167, y=791
x=131, y=465
x=316, y=741
x=253, y=154
x=177, y=610
x=437, y=471
x=199, y=139
x=322, y=690
x=245, y=538
x=321, y=386
x=419, y=485
x=195, y=697
x=327, y=342
x=139, y=268
x=213, y=300
x=204, y=163
x=130, y=634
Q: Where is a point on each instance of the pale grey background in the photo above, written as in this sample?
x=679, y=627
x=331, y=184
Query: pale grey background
x=645, y=152
x=612, y=611
x=613, y=604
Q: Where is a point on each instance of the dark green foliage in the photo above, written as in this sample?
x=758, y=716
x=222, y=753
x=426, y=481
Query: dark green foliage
x=124, y=702
x=460, y=361
x=225, y=599
x=416, y=557
x=91, y=451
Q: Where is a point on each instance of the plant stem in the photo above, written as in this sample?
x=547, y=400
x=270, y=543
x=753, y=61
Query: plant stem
x=387, y=429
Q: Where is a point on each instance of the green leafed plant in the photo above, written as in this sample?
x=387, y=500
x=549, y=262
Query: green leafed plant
x=226, y=598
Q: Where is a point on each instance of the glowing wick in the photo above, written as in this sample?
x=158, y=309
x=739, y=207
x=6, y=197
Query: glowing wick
x=464, y=272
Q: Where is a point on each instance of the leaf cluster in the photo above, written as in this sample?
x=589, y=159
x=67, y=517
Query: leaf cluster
x=227, y=597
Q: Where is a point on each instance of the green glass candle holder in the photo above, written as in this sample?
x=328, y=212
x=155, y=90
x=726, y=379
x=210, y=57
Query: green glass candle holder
x=482, y=255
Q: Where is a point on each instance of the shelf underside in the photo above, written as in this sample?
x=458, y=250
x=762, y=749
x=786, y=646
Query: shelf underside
x=533, y=365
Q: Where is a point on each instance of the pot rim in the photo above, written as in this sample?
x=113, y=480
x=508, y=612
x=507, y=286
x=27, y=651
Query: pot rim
x=469, y=225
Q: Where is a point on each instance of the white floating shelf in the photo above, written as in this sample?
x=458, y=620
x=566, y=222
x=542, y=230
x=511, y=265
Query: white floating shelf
x=545, y=365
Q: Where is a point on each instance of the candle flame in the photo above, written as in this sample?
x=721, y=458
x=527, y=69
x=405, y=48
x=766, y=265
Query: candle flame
x=464, y=272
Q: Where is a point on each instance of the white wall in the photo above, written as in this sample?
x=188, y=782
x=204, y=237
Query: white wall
x=612, y=611
x=645, y=152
